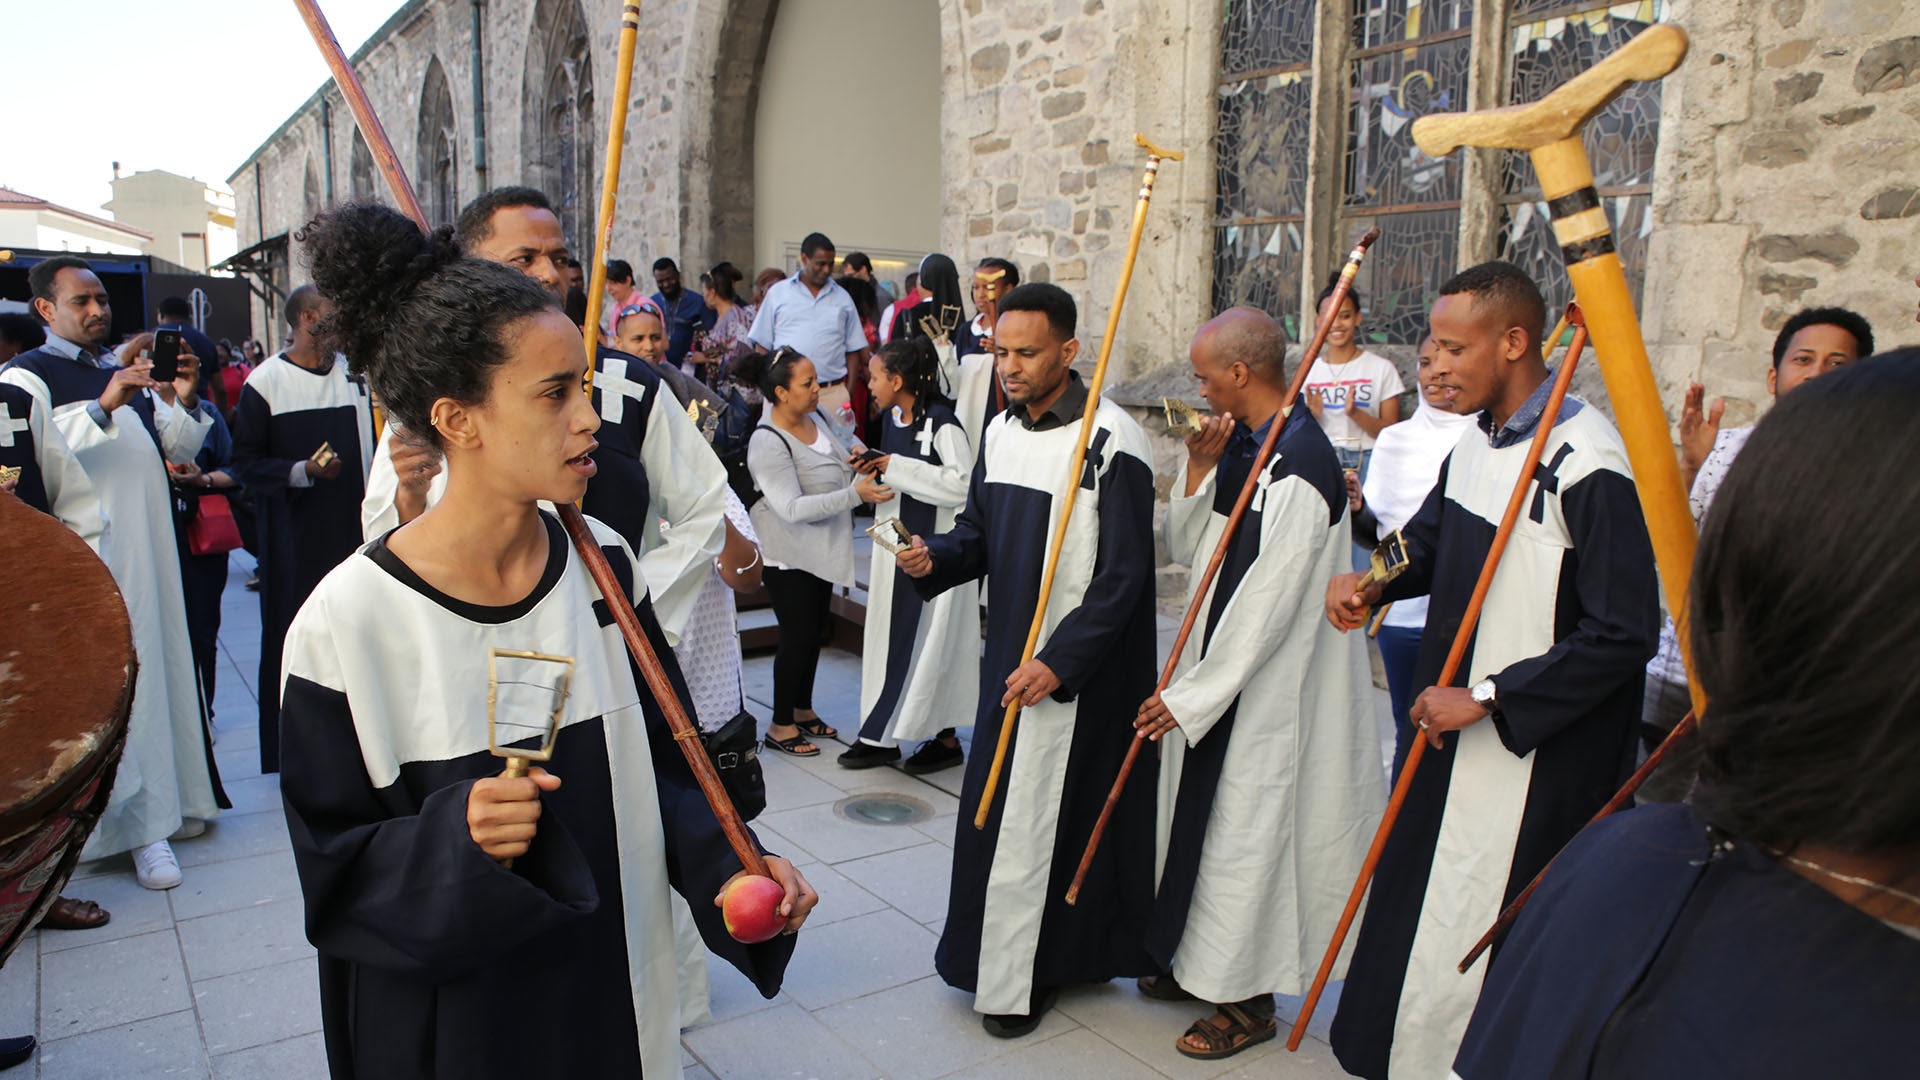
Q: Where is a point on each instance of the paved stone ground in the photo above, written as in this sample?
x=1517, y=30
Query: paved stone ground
x=216, y=979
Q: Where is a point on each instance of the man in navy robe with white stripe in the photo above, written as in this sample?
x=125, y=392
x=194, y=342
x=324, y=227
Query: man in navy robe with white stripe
x=1554, y=669
x=1010, y=937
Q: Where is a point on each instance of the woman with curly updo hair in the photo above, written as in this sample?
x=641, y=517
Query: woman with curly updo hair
x=461, y=914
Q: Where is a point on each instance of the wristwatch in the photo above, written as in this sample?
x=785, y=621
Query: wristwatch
x=1486, y=695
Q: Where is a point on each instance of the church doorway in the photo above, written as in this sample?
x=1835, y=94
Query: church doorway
x=846, y=133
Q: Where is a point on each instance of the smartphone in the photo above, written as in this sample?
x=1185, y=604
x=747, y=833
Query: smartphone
x=165, y=356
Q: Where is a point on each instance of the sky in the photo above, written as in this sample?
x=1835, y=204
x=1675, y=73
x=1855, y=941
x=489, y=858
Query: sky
x=189, y=86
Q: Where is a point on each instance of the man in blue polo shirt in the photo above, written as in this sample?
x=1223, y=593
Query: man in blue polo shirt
x=813, y=314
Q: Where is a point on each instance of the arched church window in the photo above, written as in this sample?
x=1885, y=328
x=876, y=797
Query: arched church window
x=1408, y=59
x=310, y=200
x=360, y=181
x=1264, y=103
x=562, y=72
x=1549, y=42
x=437, y=139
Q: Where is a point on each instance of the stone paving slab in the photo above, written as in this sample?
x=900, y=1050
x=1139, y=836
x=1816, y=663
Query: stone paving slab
x=215, y=980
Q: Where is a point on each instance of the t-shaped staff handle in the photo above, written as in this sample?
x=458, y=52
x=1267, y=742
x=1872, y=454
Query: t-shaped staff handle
x=1549, y=130
x=1155, y=151
x=1652, y=54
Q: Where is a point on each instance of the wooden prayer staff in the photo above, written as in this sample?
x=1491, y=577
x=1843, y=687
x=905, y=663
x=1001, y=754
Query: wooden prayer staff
x=610, y=182
x=571, y=519
x=1240, y=504
x=1620, y=798
x=1550, y=130
x=1154, y=156
x=1468, y=622
x=993, y=283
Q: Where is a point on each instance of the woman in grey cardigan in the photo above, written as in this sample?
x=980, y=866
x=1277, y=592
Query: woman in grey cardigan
x=805, y=521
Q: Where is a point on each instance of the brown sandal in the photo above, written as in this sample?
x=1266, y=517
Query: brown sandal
x=65, y=914
x=1226, y=1033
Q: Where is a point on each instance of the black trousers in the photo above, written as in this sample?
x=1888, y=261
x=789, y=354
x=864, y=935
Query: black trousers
x=801, y=604
x=204, y=578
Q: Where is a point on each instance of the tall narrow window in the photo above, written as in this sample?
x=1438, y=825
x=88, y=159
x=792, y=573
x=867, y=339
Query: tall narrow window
x=1552, y=41
x=1264, y=102
x=563, y=105
x=436, y=139
x=360, y=184
x=1409, y=58
x=310, y=201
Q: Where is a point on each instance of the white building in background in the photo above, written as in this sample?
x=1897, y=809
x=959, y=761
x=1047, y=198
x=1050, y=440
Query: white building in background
x=191, y=221
x=27, y=221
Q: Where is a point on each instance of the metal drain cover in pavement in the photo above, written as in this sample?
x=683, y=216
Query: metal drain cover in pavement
x=883, y=808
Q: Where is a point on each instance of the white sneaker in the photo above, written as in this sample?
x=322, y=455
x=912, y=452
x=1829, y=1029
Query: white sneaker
x=190, y=828
x=155, y=867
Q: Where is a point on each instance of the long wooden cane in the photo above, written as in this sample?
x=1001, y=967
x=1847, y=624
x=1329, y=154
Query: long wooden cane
x=610, y=180
x=1549, y=130
x=993, y=283
x=1620, y=799
x=1155, y=155
x=1260, y=458
x=1469, y=621
x=684, y=732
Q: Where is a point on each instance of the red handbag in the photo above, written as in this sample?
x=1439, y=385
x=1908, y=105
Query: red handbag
x=213, y=530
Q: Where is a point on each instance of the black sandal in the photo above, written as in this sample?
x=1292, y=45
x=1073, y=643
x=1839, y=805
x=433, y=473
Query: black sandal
x=1226, y=1033
x=791, y=747
x=1163, y=988
x=817, y=728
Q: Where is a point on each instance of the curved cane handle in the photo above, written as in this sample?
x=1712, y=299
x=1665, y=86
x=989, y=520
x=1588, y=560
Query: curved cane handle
x=1155, y=151
x=1652, y=54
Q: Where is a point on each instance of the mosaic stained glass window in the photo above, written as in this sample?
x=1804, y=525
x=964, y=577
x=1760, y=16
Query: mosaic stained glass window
x=1264, y=102
x=1621, y=140
x=1410, y=59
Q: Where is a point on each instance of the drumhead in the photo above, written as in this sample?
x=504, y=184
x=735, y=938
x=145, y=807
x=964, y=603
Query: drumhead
x=66, y=668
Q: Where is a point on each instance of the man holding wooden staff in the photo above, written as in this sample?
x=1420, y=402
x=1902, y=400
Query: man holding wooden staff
x=1010, y=937
x=1555, y=668
x=1270, y=807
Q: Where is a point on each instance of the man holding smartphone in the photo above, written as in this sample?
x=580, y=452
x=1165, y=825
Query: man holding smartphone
x=125, y=426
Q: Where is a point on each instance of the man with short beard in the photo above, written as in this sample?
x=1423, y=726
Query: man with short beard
x=1538, y=727
x=124, y=427
x=659, y=483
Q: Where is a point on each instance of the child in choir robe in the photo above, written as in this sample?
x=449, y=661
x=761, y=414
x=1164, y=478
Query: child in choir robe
x=920, y=668
x=1538, y=728
x=1010, y=936
x=1770, y=926
x=1269, y=808
x=470, y=923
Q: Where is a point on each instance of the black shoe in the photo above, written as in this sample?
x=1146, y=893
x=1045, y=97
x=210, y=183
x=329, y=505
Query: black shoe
x=1014, y=1025
x=253, y=583
x=868, y=756
x=933, y=756
x=16, y=1051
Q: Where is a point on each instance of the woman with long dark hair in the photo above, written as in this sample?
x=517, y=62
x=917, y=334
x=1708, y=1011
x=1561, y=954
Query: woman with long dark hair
x=456, y=909
x=920, y=664
x=1772, y=927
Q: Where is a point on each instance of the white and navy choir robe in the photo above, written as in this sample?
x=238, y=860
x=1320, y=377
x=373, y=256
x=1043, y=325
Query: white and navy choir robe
x=1270, y=788
x=920, y=666
x=1654, y=952
x=1009, y=929
x=307, y=526
x=51, y=479
x=435, y=960
x=167, y=772
x=1570, y=621
x=659, y=485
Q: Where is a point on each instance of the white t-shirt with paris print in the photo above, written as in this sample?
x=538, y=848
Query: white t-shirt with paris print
x=1365, y=382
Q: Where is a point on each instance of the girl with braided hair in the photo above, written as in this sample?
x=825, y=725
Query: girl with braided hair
x=920, y=665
